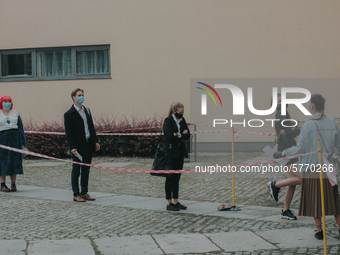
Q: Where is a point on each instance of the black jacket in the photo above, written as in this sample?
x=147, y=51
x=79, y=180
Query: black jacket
x=75, y=131
x=177, y=144
x=287, y=140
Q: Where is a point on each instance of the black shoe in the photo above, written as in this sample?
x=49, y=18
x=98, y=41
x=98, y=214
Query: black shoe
x=288, y=215
x=172, y=207
x=180, y=206
x=319, y=235
x=274, y=191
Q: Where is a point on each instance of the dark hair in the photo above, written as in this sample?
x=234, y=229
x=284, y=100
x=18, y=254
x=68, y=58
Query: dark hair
x=319, y=102
x=74, y=92
x=271, y=101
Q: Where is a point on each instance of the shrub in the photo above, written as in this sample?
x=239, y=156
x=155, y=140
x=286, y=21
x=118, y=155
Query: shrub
x=56, y=145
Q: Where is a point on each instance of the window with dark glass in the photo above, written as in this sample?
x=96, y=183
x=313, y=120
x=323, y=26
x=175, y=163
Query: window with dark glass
x=16, y=64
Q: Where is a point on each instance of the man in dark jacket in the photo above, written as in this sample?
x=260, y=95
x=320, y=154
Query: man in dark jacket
x=82, y=140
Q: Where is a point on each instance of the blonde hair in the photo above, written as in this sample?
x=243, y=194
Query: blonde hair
x=174, y=107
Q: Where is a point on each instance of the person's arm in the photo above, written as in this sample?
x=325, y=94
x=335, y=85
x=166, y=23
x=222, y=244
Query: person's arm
x=291, y=133
x=186, y=131
x=68, y=131
x=168, y=132
x=300, y=147
x=337, y=136
x=21, y=132
x=93, y=129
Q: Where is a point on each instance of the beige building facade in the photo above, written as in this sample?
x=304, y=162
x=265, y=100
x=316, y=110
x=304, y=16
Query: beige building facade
x=156, y=46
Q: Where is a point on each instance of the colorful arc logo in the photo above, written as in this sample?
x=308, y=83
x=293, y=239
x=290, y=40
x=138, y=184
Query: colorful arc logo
x=209, y=93
x=204, y=97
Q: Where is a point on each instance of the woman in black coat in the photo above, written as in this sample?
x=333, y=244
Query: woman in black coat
x=175, y=132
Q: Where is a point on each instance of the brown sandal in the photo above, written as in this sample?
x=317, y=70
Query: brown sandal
x=5, y=189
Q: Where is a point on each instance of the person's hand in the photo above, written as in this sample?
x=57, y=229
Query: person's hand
x=278, y=154
x=97, y=146
x=282, y=132
x=175, y=134
x=185, y=131
x=74, y=151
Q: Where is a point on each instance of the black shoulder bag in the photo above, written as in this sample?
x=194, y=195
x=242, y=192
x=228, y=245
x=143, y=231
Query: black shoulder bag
x=162, y=161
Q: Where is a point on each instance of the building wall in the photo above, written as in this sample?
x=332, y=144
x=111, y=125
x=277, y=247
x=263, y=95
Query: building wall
x=158, y=45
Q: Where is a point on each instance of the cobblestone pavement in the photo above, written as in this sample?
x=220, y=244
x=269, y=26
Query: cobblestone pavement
x=33, y=219
x=201, y=187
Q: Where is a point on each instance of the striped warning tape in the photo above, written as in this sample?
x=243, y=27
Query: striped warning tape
x=97, y=166
x=139, y=170
x=157, y=134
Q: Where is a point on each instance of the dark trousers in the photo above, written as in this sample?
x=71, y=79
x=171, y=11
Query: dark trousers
x=172, y=182
x=83, y=172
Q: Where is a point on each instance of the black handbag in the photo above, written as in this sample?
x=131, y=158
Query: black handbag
x=162, y=161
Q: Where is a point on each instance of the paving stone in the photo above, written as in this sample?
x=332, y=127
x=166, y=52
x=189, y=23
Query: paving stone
x=122, y=200
x=240, y=241
x=46, y=164
x=251, y=212
x=13, y=247
x=295, y=237
x=62, y=247
x=121, y=207
x=201, y=208
x=24, y=188
x=101, y=195
x=115, y=164
x=158, y=204
x=46, y=193
x=185, y=243
x=128, y=245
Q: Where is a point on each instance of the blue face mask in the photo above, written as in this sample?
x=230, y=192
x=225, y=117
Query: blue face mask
x=80, y=100
x=309, y=109
x=7, y=106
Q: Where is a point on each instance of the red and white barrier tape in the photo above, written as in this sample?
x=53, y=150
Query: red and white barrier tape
x=139, y=170
x=60, y=133
x=128, y=134
x=97, y=166
x=44, y=133
x=255, y=132
x=238, y=131
x=156, y=134
x=131, y=129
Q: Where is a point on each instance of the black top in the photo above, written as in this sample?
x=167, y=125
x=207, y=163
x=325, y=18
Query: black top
x=287, y=140
x=75, y=131
x=177, y=144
